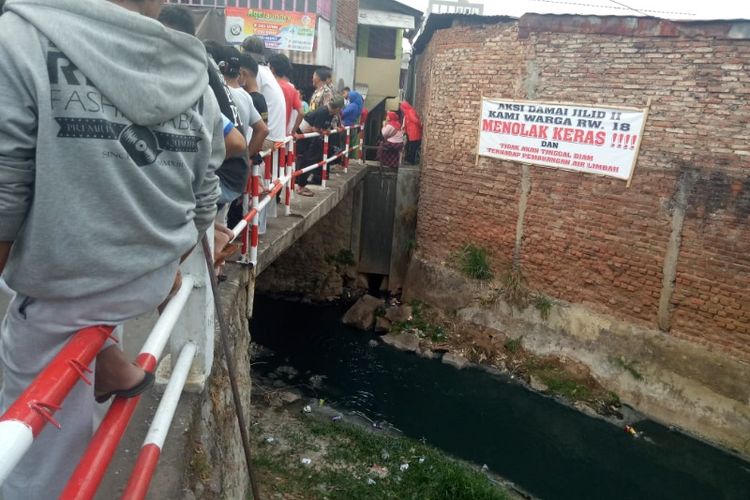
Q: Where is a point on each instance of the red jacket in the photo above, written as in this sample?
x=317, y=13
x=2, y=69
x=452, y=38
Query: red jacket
x=412, y=123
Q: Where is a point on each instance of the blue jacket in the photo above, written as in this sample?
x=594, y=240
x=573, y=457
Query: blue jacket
x=351, y=112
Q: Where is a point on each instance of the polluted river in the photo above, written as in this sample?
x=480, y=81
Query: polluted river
x=546, y=448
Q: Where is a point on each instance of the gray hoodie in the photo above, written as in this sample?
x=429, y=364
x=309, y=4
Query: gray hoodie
x=109, y=138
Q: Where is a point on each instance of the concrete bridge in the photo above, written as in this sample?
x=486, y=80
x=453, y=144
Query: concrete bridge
x=200, y=425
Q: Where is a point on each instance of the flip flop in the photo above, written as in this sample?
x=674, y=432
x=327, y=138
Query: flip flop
x=145, y=384
x=305, y=192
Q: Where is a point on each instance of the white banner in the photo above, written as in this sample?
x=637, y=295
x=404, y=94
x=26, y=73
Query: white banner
x=597, y=140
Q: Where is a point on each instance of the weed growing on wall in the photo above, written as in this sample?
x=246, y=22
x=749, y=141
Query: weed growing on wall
x=629, y=366
x=514, y=289
x=543, y=305
x=474, y=262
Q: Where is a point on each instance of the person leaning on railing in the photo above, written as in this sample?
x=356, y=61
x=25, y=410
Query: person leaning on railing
x=310, y=151
x=109, y=141
x=389, y=150
x=351, y=115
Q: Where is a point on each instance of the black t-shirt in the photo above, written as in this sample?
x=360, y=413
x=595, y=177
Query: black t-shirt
x=260, y=104
x=233, y=172
x=321, y=118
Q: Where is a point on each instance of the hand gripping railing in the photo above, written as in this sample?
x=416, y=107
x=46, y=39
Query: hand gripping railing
x=36, y=406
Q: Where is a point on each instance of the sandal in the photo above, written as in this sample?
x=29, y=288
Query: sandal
x=137, y=390
x=305, y=192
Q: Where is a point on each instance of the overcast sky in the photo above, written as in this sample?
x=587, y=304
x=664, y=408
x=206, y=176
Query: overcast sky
x=672, y=9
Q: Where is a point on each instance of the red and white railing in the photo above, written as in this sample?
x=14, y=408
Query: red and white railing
x=36, y=406
x=280, y=164
x=189, y=314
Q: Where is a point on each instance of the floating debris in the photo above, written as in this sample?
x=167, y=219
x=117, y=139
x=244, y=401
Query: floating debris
x=270, y=439
x=306, y=461
x=336, y=418
x=371, y=481
x=422, y=459
x=404, y=467
x=307, y=409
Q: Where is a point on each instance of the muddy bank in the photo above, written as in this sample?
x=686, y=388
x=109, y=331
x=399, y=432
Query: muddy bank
x=670, y=380
x=305, y=448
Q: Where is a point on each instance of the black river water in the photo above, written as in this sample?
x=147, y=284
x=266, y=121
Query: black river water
x=546, y=448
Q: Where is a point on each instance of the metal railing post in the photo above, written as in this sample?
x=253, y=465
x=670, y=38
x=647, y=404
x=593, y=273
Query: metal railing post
x=361, y=154
x=255, y=229
x=348, y=143
x=268, y=172
x=245, y=236
x=324, y=173
x=292, y=162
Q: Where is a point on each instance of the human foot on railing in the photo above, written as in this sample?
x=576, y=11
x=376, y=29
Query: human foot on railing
x=116, y=376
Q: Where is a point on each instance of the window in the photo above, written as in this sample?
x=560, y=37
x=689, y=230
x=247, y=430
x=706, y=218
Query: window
x=381, y=43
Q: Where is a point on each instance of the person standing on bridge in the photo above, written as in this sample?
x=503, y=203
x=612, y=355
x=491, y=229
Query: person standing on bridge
x=281, y=68
x=323, y=89
x=351, y=114
x=271, y=90
x=413, y=129
x=389, y=151
x=310, y=150
x=109, y=142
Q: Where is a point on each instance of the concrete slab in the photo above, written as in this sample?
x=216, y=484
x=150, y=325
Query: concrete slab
x=281, y=234
x=306, y=211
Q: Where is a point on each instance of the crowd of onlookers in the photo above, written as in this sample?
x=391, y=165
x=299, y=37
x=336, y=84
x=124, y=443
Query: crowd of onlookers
x=255, y=92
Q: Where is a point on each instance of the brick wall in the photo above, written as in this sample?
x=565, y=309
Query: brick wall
x=347, y=17
x=589, y=239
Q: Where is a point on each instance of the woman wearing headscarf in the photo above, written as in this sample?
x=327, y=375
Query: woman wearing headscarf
x=413, y=128
x=389, y=152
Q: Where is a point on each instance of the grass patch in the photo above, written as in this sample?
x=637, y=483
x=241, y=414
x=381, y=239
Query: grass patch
x=474, y=262
x=565, y=387
x=629, y=366
x=410, y=246
x=559, y=380
x=612, y=399
x=543, y=305
x=344, y=471
x=513, y=345
x=420, y=325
